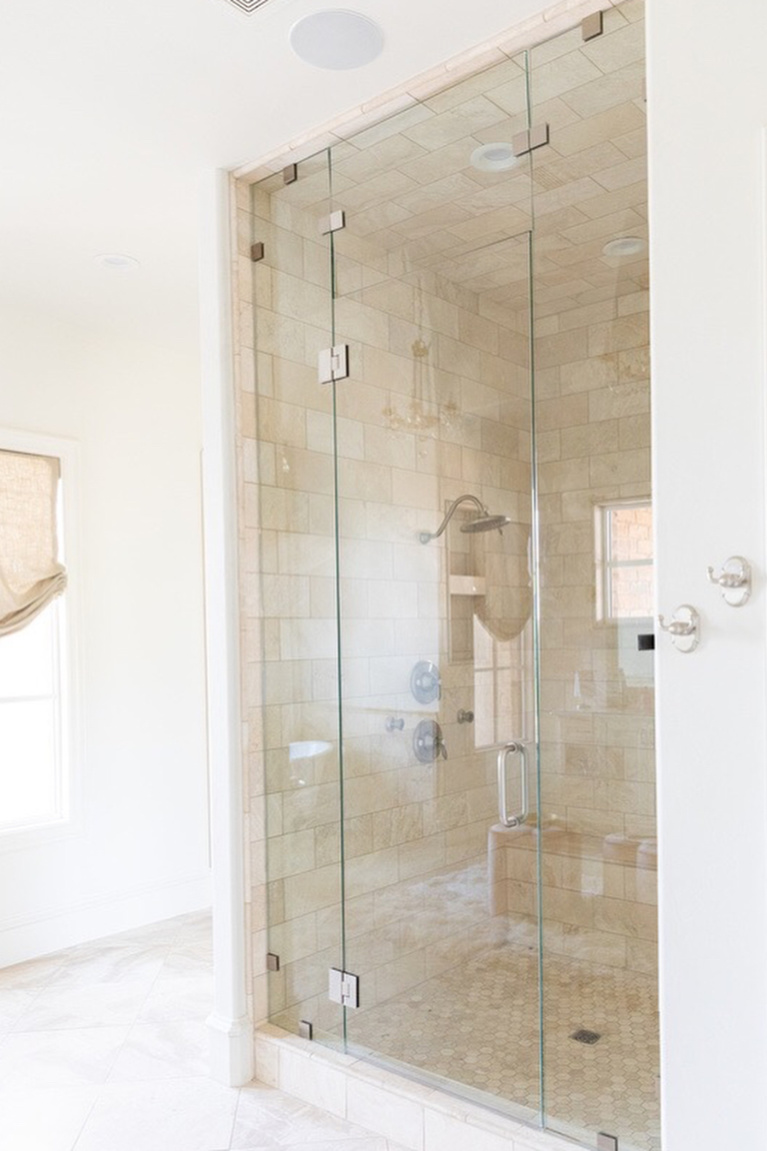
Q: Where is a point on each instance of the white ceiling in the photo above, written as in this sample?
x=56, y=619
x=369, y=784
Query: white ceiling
x=109, y=111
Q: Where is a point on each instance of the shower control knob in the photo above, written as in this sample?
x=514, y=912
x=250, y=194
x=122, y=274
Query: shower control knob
x=465, y=716
x=428, y=744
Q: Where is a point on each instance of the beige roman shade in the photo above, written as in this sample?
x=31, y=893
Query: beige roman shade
x=30, y=574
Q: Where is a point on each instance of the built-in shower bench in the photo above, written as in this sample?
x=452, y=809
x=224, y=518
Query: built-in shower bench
x=598, y=892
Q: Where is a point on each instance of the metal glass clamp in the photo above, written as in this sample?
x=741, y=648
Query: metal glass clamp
x=734, y=580
x=684, y=628
x=530, y=139
x=592, y=26
x=333, y=364
x=343, y=987
x=333, y=223
x=514, y=747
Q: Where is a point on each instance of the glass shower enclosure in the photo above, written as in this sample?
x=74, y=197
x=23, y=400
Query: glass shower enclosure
x=451, y=565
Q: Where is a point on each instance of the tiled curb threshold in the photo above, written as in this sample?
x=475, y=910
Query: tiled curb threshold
x=389, y=1105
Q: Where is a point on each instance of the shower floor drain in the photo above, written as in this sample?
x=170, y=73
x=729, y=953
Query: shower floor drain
x=587, y=1037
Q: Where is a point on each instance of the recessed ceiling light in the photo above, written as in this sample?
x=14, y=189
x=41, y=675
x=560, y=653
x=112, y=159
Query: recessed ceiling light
x=336, y=39
x=624, y=246
x=497, y=157
x=116, y=262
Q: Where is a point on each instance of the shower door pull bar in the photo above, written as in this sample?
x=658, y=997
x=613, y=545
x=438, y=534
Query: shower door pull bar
x=515, y=747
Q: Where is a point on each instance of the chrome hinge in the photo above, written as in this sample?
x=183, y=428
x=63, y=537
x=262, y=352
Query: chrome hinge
x=607, y=1142
x=272, y=961
x=305, y=1029
x=344, y=988
x=593, y=26
x=530, y=139
x=333, y=364
x=333, y=223
x=290, y=174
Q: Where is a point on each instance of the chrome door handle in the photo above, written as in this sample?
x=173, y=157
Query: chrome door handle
x=515, y=747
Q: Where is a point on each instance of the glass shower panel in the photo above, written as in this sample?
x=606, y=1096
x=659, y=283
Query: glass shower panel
x=290, y=607
x=597, y=827
x=432, y=297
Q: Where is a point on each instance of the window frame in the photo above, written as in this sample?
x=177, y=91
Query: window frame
x=68, y=822
x=604, y=564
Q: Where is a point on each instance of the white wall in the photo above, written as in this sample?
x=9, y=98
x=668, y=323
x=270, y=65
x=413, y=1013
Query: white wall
x=140, y=848
x=707, y=112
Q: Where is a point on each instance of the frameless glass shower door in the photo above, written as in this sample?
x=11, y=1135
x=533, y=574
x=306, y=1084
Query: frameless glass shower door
x=292, y=686
x=597, y=765
x=433, y=441
x=452, y=530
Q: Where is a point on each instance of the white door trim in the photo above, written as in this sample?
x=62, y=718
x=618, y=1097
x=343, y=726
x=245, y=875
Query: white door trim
x=231, y=1029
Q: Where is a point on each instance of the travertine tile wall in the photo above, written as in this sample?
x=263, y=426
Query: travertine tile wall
x=438, y=404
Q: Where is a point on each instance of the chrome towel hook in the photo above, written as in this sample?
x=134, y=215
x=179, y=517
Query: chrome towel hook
x=684, y=628
x=734, y=580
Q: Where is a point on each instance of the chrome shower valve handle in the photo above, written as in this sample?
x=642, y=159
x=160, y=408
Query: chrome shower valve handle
x=734, y=580
x=684, y=628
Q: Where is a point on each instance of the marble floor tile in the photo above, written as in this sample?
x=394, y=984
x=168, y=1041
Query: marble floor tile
x=371, y=1143
x=194, y=958
x=36, y=973
x=163, y=1051
x=100, y=963
x=34, y=1059
x=44, y=1120
x=13, y=1004
x=88, y=1005
x=176, y=996
x=192, y=1114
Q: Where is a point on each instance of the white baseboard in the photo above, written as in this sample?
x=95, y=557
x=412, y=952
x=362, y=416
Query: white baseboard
x=57, y=928
x=231, y=1050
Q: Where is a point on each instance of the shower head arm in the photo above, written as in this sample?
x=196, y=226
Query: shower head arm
x=424, y=537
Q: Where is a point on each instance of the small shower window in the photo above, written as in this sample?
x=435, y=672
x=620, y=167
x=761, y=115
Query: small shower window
x=624, y=560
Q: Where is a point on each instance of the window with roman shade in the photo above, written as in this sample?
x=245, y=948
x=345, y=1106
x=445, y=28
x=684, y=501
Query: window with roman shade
x=30, y=572
x=37, y=720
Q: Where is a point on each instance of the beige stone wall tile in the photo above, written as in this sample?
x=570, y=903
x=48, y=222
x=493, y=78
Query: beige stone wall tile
x=593, y=439
x=618, y=401
x=615, y=201
x=626, y=918
x=626, y=174
x=642, y=955
x=621, y=468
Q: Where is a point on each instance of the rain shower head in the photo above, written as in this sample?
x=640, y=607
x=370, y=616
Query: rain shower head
x=486, y=523
x=483, y=522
